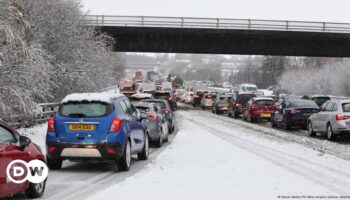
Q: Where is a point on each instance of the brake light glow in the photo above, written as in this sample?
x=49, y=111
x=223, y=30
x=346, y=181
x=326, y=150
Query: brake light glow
x=110, y=150
x=116, y=125
x=152, y=116
x=167, y=111
x=341, y=117
x=294, y=111
x=51, y=125
x=52, y=149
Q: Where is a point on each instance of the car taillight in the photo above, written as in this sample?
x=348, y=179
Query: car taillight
x=167, y=111
x=116, y=125
x=170, y=99
x=51, y=125
x=294, y=111
x=152, y=116
x=52, y=149
x=254, y=107
x=195, y=96
x=341, y=117
x=238, y=104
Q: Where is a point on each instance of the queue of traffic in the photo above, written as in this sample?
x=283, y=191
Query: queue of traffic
x=105, y=126
x=319, y=114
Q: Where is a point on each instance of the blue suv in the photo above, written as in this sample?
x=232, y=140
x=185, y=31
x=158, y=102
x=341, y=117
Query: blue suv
x=97, y=126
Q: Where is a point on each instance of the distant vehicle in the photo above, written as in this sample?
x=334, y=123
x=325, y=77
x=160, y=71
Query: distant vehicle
x=221, y=103
x=140, y=97
x=98, y=126
x=333, y=119
x=259, y=108
x=166, y=86
x=127, y=87
x=289, y=97
x=238, y=104
x=318, y=99
x=166, y=109
x=293, y=113
x=244, y=88
x=153, y=119
x=273, y=97
x=13, y=146
x=279, y=91
x=189, y=97
x=226, y=85
x=197, y=97
x=179, y=93
x=167, y=95
x=207, y=101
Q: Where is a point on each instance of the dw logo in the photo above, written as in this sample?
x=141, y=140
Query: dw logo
x=19, y=171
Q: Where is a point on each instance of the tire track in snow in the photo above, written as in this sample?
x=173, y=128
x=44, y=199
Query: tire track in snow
x=327, y=178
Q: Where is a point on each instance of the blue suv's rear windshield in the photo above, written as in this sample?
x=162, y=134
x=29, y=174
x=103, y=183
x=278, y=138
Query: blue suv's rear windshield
x=85, y=109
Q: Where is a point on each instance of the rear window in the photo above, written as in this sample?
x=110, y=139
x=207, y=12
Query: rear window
x=244, y=98
x=264, y=102
x=142, y=108
x=250, y=88
x=225, y=99
x=302, y=104
x=161, y=105
x=125, y=85
x=138, y=98
x=85, y=109
x=320, y=100
x=346, y=107
x=161, y=95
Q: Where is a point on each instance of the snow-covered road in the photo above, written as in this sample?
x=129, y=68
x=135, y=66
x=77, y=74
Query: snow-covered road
x=211, y=157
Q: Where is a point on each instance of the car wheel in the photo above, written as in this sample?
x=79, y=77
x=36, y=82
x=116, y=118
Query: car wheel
x=145, y=151
x=35, y=190
x=125, y=161
x=235, y=115
x=166, y=139
x=310, y=130
x=229, y=113
x=159, y=143
x=54, y=164
x=330, y=134
x=273, y=124
x=286, y=125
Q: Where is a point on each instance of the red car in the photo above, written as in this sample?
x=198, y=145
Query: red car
x=259, y=108
x=13, y=146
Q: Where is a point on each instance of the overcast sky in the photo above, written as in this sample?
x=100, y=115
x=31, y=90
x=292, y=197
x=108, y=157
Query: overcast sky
x=305, y=10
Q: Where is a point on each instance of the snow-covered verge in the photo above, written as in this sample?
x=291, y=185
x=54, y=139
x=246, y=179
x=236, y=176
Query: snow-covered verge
x=210, y=161
x=37, y=134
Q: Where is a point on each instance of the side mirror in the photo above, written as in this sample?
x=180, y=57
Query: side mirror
x=143, y=115
x=24, y=141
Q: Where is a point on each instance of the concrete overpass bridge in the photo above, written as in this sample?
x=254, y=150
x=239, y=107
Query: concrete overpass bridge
x=225, y=36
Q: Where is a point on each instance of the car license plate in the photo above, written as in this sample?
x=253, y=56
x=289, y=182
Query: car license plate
x=265, y=115
x=81, y=127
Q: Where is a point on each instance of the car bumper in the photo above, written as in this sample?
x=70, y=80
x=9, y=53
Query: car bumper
x=104, y=151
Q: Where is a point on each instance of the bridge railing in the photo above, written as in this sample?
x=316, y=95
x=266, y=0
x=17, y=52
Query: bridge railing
x=215, y=23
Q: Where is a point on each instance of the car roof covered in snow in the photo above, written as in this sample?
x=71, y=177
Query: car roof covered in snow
x=102, y=97
x=263, y=98
x=142, y=95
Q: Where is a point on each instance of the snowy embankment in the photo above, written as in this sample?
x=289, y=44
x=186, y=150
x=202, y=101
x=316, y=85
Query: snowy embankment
x=209, y=161
x=37, y=134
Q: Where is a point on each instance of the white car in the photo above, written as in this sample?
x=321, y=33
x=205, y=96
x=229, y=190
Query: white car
x=246, y=87
x=189, y=97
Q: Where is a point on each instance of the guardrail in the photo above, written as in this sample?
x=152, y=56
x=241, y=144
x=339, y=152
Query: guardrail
x=46, y=111
x=215, y=23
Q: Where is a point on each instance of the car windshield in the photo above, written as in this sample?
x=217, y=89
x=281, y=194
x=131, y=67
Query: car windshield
x=244, y=98
x=264, y=102
x=302, y=104
x=85, y=109
x=346, y=107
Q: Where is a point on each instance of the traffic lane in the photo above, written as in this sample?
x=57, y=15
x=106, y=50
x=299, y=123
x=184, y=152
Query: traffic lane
x=78, y=180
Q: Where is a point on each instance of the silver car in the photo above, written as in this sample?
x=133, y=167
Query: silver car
x=332, y=120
